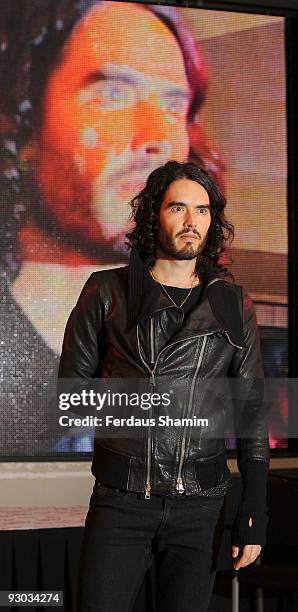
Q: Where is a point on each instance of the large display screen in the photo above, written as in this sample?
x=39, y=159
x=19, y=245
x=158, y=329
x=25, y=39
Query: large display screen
x=95, y=95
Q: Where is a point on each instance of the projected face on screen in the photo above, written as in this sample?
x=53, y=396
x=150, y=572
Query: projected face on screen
x=112, y=113
x=97, y=94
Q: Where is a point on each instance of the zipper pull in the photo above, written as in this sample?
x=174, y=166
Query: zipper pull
x=152, y=379
x=179, y=486
x=147, y=490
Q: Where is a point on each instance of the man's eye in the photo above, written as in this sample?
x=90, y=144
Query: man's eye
x=176, y=208
x=112, y=95
x=176, y=105
x=203, y=211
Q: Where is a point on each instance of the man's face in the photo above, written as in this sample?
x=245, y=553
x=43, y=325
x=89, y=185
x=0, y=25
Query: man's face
x=114, y=109
x=184, y=219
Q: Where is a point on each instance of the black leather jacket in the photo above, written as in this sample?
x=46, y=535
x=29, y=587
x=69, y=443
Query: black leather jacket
x=218, y=338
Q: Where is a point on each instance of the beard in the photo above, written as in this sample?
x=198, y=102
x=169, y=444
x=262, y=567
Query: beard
x=102, y=249
x=91, y=217
x=189, y=251
x=69, y=221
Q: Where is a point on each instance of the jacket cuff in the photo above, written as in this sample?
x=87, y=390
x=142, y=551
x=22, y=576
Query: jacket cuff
x=251, y=520
x=249, y=527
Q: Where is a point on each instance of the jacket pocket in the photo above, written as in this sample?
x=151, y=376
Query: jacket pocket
x=100, y=490
x=110, y=467
x=211, y=472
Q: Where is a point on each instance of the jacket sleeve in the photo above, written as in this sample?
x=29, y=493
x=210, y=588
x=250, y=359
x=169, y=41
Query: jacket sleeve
x=252, y=439
x=82, y=345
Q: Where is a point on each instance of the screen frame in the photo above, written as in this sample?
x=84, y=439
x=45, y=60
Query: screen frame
x=286, y=9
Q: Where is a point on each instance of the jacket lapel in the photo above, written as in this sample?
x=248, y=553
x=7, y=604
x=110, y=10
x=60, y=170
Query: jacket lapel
x=218, y=309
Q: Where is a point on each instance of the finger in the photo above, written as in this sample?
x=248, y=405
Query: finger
x=246, y=558
x=242, y=562
x=253, y=551
x=235, y=551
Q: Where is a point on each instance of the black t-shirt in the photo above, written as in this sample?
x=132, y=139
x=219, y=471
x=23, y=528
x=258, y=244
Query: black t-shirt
x=178, y=294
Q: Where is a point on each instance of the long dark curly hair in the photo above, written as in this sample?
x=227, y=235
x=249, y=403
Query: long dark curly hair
x=145, y=214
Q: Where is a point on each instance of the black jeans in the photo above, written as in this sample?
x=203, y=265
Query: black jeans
x=123, y=530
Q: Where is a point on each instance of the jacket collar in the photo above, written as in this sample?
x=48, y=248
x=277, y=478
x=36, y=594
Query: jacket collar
x=217, y=310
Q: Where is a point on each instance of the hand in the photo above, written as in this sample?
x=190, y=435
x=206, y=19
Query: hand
x=248, y=555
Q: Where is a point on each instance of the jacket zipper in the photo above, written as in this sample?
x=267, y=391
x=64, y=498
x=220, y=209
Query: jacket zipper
x=230, y=341
x=151, y=340
x=152, y=382
x=179, y=482
x=179, y=485
x=152, y=377
x=149, y=437
x=149, y=453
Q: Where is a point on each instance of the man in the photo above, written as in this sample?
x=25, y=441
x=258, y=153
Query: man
x=170, y=315
x=89, y=114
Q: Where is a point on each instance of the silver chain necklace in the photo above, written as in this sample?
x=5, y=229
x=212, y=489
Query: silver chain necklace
x=170, y=298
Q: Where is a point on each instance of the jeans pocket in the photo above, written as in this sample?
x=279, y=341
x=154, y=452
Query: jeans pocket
x=212, y=505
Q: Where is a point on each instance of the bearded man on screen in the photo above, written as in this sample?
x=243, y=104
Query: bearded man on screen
x=99, y=94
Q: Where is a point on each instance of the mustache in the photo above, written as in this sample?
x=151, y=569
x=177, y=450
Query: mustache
x=140, y=165
x=134, y=171
x=195, y=232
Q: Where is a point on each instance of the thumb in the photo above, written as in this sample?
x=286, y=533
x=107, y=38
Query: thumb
x=235, y=551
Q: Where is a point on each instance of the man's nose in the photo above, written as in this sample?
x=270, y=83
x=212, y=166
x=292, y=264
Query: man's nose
x=150, y=130
x=190, y=218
